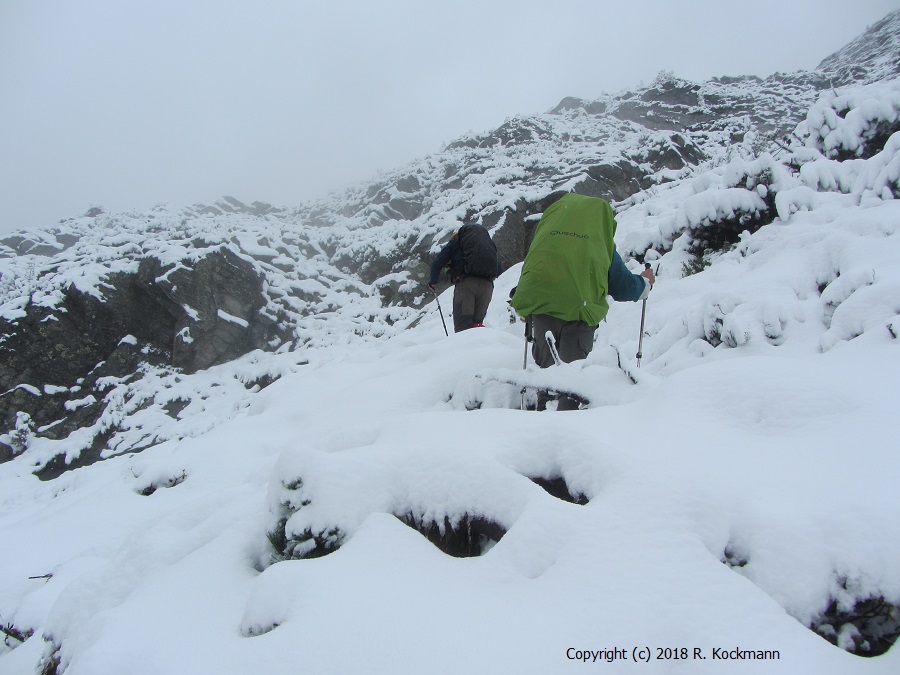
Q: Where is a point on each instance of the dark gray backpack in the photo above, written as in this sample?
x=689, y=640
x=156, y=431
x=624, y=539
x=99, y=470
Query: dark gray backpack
x=478, y=251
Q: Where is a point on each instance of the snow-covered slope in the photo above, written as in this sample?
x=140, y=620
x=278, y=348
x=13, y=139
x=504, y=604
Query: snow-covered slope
x=364, y=494
x=870, y=57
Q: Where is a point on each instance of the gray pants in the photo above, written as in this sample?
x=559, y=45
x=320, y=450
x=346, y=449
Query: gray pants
x=574, y=341
x=471, y=297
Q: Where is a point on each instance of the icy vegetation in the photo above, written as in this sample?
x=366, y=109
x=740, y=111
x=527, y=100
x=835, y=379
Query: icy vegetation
x=312, y=476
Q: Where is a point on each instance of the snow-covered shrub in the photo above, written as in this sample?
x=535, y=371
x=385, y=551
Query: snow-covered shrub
x=695, y=265
x=13, y=636
x=851, y=146
x=559, y=488
x=168, y=482
x=739, y=199
x=866, y=626
x=877, y=176
x=303, y=545
x=735, y=557
x=290, y=544
x=19, y=437
x=707, y=215
x=463, y=535
x=723, y=324
x=854, y=123
x=842, y=288
x=851, y=142
x=468, y=537
x=51, y=661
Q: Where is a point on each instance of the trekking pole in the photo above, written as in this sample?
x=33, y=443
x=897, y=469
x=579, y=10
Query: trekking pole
x=528, y=338
x=434, y=293
x=551, y=343
x=525, y=357
x=643, y=315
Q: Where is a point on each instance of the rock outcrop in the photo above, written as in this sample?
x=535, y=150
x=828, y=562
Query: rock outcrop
x=55, y=360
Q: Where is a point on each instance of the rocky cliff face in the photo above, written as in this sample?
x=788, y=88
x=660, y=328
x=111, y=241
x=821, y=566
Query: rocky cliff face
x=57, y=360
x=102, y=299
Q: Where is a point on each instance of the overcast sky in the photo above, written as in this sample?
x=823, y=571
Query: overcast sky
x=127, y=104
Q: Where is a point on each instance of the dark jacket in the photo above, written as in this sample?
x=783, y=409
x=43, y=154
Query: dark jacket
x=452, y=256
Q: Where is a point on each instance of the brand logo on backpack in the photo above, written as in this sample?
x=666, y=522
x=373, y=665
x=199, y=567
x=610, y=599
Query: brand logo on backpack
x=479, y=253
x=570, y=234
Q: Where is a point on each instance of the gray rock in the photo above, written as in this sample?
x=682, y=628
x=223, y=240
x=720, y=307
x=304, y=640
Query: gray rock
x=190, y=318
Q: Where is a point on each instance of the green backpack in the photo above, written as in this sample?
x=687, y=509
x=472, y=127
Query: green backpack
x=566, y=270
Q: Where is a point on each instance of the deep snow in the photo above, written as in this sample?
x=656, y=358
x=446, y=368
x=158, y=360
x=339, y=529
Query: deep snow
x=786, y=459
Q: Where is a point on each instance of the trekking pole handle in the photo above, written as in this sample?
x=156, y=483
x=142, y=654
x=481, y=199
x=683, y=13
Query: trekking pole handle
x=649, y=279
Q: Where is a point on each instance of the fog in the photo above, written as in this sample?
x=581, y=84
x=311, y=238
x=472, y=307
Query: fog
x=125, y=105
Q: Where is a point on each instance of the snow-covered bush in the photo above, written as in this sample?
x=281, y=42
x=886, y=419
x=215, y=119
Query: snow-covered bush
x=708, y=215
x=13, y=636
x=738, y=198
x=19, y=437
x=291, y=544
x=855, y=123
x=866, y=626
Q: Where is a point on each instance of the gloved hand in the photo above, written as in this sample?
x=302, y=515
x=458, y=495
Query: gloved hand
x=431, y=288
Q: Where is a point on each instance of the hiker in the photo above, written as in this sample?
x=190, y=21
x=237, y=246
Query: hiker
x=471, y=259
x=570, y=268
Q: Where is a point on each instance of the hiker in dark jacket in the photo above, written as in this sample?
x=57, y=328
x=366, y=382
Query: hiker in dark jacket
x=570, y=268
x=471, y=259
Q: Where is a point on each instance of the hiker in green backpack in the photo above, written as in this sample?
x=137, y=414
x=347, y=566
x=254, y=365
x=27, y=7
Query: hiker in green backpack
x=472, y=265
x=570, y=268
